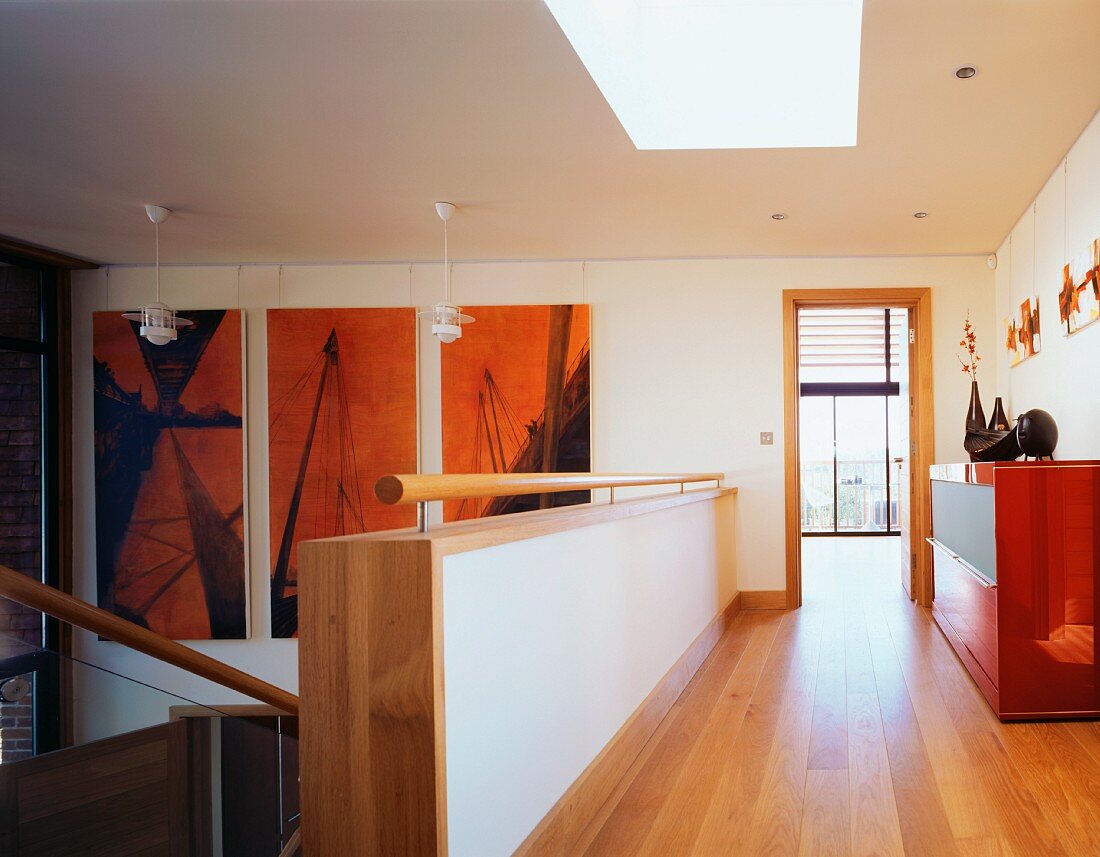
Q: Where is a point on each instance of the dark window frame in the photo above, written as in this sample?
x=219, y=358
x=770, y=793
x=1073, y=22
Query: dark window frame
x=51, y=279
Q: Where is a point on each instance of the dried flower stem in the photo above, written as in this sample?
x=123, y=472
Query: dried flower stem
x=970, y=343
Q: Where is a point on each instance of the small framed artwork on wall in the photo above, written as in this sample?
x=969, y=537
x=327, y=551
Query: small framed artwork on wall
x=1022, y=339
x=1079, y=300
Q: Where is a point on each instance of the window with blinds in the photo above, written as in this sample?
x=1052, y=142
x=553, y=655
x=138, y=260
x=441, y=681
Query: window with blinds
x=848, y=346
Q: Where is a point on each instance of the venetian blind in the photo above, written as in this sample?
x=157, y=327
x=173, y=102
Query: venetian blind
x=848, y=345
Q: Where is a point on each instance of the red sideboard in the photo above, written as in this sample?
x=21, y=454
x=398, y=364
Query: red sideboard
x=1016, y=561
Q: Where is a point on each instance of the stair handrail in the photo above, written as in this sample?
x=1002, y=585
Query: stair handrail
x=425, y=487
x=293, y=844
x=46, y=599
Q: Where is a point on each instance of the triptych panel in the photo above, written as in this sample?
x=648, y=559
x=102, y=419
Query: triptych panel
x=341, y=393
x=516, y=400
x=169, y=476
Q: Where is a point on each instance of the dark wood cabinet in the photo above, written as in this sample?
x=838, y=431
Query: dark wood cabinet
x=144, y=792
x=259, y=784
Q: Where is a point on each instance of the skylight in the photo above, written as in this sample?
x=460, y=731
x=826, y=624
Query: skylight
x=722, y=74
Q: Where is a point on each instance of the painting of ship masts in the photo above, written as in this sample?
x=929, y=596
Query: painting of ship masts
x=169, y=468
x=341, y=414
x=516, y=400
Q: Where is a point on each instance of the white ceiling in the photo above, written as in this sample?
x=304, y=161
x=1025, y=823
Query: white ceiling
x=323, y=131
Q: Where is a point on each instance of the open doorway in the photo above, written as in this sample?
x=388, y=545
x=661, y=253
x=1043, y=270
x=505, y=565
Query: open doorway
x=849, y=363
x=858, y=422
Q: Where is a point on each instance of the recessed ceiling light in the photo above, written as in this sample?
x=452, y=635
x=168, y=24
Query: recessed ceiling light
x=779, y=215
x=722, y=74
x=965, y=72
x=920, y=215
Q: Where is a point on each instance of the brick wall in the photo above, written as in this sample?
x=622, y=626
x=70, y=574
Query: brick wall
x=16, y=731
x=20, y=485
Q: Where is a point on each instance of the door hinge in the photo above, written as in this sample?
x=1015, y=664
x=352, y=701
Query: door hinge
x=912, y=449
x=912, y=336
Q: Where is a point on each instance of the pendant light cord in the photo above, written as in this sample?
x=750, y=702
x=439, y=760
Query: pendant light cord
x=446, y=265
x=157, y=227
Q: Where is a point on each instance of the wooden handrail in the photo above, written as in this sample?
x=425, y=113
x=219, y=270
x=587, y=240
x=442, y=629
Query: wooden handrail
x=420, y=488
x=293, y=844
x=33, y=593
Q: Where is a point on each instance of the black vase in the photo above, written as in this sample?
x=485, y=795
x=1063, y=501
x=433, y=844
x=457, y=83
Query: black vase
x=975, y=417
x=998, y=422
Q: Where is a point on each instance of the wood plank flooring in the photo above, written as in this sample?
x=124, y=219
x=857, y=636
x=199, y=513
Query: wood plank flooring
x=849, y=727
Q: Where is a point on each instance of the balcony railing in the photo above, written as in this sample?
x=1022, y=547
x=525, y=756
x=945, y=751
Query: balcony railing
x=851, y=499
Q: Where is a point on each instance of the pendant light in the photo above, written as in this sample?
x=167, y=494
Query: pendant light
x=447, y=319
x=159, y=322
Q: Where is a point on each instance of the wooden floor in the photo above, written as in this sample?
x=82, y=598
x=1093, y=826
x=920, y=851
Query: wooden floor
x=849, y=727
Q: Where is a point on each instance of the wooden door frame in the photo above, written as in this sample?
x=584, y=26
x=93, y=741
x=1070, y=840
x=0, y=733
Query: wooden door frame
x=921, y=421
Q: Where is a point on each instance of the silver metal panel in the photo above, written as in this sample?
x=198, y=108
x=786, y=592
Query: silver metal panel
x=963, y=522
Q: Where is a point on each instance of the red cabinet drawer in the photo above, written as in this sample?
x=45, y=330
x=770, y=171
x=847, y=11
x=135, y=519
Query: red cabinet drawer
x=968, y=602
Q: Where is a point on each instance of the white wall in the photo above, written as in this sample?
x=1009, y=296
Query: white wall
x=591, y=619
x=1061, y=222
x=687, y=370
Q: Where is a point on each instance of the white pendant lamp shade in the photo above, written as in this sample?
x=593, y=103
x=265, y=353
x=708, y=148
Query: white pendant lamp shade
x=447, y=319
x=158, y=321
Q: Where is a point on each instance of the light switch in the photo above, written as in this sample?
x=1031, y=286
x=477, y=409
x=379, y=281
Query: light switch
x=766, y=438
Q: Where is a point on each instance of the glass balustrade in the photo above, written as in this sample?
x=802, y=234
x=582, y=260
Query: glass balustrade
x=100, y=763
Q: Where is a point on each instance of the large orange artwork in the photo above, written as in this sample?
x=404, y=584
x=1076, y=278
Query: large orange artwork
x=516, y=400
x=341, y=389
x=169, y=467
